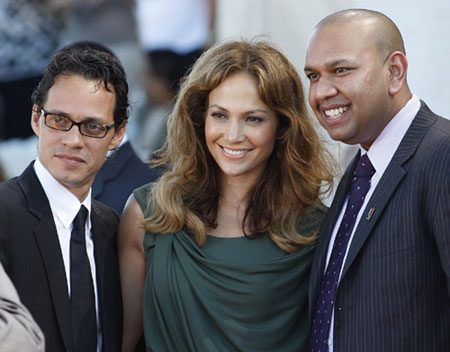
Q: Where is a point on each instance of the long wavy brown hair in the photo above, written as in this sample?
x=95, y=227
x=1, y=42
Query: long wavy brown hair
x=187, y=195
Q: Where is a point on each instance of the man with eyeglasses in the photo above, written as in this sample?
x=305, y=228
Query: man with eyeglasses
x=58, y=244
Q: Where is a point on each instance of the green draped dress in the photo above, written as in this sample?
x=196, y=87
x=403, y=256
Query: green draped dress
x=231, y=294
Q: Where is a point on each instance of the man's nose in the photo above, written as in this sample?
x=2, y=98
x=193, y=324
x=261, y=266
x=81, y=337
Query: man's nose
x=73, y=136
x=324, y=88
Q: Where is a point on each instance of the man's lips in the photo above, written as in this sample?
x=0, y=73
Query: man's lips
x=70, y=158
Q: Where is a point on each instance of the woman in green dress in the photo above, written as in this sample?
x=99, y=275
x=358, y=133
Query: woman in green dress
x=215, y=256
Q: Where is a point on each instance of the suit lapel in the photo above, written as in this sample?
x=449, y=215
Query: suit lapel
x=101, y=237
x=99, y=234
x=50, y=250
x=380, y=198
x=389, y=182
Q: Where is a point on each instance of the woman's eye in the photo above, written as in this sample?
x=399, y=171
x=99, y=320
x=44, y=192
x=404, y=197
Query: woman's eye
x=218, y=115
x=254, y=119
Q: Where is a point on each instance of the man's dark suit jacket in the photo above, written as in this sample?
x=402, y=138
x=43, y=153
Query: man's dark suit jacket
x=394, y=292
x=119, y=176
x=31, y=255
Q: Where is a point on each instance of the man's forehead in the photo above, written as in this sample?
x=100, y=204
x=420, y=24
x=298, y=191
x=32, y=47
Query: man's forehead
x=81, y=98
x=330, y=38
x=65, y=85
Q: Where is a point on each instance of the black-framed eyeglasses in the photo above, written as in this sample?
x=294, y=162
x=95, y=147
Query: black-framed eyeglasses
x=63, y=123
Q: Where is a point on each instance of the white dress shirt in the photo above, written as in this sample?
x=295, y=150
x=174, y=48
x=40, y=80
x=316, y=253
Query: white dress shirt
x=65, y=207
x=380, y=154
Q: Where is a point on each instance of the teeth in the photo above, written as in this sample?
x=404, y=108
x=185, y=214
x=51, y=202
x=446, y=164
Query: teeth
x=234, y=152
x=335, y=113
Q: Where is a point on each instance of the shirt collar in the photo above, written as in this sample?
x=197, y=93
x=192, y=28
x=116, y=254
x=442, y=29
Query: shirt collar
x=63, y=203
x=384, y=147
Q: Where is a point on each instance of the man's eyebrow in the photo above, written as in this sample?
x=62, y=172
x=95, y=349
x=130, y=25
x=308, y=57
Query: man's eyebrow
x=56, y=112
x=330, y=64
x=85, y=119
x=339, y=62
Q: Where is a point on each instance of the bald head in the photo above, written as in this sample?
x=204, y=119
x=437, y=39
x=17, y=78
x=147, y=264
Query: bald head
x=383, y=32
x=357, y=69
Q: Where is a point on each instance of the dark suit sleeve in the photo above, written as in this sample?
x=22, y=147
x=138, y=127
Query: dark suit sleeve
x=441, y=224
x=3, y=238
x=5, y=222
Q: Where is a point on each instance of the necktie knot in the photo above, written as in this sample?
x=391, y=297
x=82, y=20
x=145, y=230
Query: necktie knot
x=364, y=168
x=79, y=222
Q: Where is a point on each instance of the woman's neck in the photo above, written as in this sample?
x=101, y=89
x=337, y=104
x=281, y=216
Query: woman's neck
x=232, y=205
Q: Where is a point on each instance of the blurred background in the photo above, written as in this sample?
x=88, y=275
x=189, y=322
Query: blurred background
x=157, y=40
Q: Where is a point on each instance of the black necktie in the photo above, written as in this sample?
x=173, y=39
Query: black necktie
x=82, y=298
x=320, y=328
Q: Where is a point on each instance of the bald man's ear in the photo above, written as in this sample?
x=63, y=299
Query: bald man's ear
x=398, y=66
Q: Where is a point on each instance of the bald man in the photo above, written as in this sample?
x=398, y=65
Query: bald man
x=380, y=279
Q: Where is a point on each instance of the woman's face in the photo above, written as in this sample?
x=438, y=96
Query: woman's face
x=240, y=130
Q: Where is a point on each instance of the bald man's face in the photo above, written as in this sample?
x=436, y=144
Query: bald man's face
x=349, y=91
